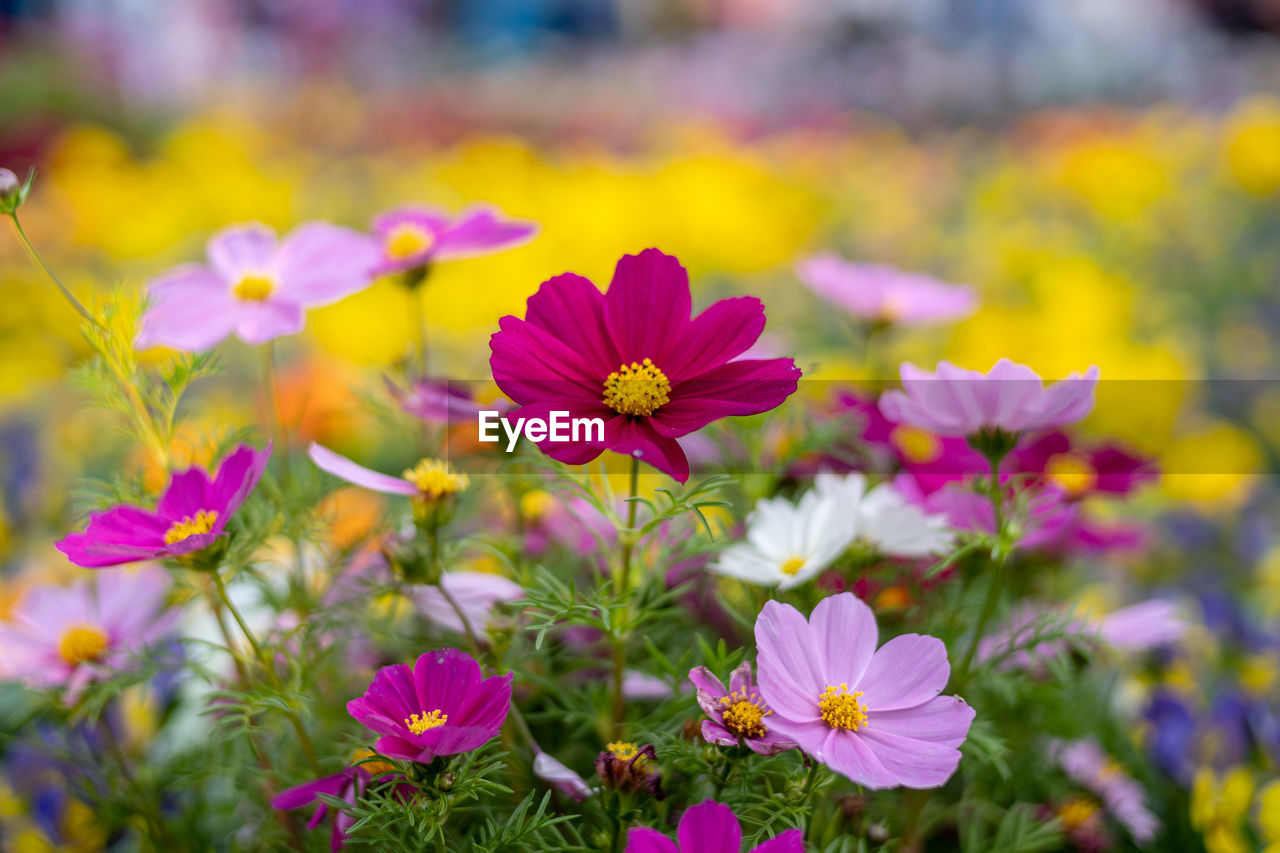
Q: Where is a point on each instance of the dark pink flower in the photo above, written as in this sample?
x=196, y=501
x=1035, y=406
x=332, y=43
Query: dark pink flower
x=1078, y=471
x=739, y=713
x=349, y=785
x=254, y=286
x=441, y=401
x=634, y=358
x=442, y=706
x=885, y=294
x=709, y=827
x=415, y=236
x=191, y=515
x=873, y=715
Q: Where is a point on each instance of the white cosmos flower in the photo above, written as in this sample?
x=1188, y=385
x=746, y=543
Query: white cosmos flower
x=787, y=544
x=883, y=518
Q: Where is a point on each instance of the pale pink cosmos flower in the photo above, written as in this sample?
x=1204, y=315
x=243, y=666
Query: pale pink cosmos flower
x=554, y=772
x=256, y=286
x=872, y=715
x=67, y=636
x=1086, y=763
x=885, y=294
x=1010, y=398
x=415, y=236
x=476, y=594
x=1136, y=628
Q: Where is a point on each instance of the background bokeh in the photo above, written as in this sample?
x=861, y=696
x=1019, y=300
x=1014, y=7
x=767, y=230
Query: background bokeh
x=1105, y=172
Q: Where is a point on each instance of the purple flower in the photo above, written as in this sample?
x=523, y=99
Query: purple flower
x=256, y=286
x=430, y=479
x=1086, y=763
x=475, y=593
x=739, y=713
x=441, y=401
x=442, y=706
x=66, y=636
x=634, y=358
x=549, y=769
x=1010, y=398
x=191, y=515
x=348, y=784
x=709, y=827
x=415, y=236
x=872, y=715
x=885, y=294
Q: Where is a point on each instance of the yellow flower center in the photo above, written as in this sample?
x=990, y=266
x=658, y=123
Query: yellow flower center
x=743, y=715
x=638, y=389
x=841, y=709
x=254, y=287
x=377, y=768
x=407, y=239
x=622, y=750
x=1072, y=472
x=1074, y=812
x=201, y=522
x=536, y=503
x=791, y=566
x=434, y=478
x=918, y=445
x=419, y=723
x=82, y=643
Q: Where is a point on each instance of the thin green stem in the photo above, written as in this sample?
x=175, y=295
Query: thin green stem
x=814, y=769
x=39, y=261
x=417, y=292
x=622, y=587
x=999, y=554
x=235, y=614
x=270, y=390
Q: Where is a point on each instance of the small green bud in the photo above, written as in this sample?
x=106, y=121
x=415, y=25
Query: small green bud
x=12, y=192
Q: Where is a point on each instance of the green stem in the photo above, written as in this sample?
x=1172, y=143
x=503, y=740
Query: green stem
x=417, y=292
x=270, y=389
x=814, y=769
x=235, y=614
x=39, y=261
x=723, y=778
x=622, y=586
x=999, y=554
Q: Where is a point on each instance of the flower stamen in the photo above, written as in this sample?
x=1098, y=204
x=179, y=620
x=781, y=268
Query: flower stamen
x=638, y=389
x=82, y=643
x=254, y=287
x=841, y=709
x=407, y=239
x=202, y=522
x=744, y=714
x=435, y=479
x=419, y=723
x=792, y=566
x=1072, y=472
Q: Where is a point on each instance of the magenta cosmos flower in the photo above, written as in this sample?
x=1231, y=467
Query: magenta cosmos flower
x=67, y=635
x=872, y=715
x=634, y=358
x=416, y=236
x=192, y=514
x=1010, y=398
x=255, y=285
x=442, y=706
x=349, y=785
x=739, y=713
x=885, y=294
x=709, y=827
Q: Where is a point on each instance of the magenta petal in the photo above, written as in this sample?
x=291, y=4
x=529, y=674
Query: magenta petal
x=788, y=676
x=531, y=365
x=481, y=231
x=443, y=678
x=571, y=308
x=188, y=493
x=710, y=827
x=341, y=466
x=908, y=670
x=237, y=477
x=791, y=841
x=722, y=332
x=717, y=734
x=737, y=388
x=238, y=249
x=638, y=438
x=305, y=794
x=642, y=839
x=647, y=306
x=319, y=263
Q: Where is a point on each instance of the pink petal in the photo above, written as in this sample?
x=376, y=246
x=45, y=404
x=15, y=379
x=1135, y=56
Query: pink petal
x=238, y=249
x=846, y=753
x=481, y=231
x=723, y=332
x=914, y=763
x=259, y=322
x=844, y=629
x=319, y=263
x=942, y=719
x=908, y=670
x=638, y=438
x=642, y=839
x=709, y=827
x=191, y=309
x=737, y=388
x=572, y=309
x=787, y=667
x=341, y=466
x=647, y=306
x=791, y=841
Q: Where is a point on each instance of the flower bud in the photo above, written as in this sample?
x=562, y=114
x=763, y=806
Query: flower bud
x=12, y=192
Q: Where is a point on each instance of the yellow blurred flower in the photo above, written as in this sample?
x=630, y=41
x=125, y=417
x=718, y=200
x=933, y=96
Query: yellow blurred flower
x=1251, y=145
x=1218, y=808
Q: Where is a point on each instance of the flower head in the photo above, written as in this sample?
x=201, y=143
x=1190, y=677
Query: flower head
x=1219, y=806
x=255, y=286
x=787, y=544
x=416, y=236
x=1086, y=763
x=562, y=778
x=68, y=635
x=1080, y=471
x=12, y=191
x=882, y=517
x=634, y=358
x=709, y=827
x=872, y=715
x=1009, y=398
x=738, y=714
x=440, y=401
x=885, y=294
x=191, y=515
x=630, y=767
x=348, y=784
x=442, y=706
x=429, y=480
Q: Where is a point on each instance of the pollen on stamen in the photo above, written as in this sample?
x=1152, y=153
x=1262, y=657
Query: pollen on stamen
x=254, y=287
x=82, y=643
x=202, y=522
x=419, y=723
x=407, y=240
x=435, y=479
x=841, y=709
x=638, y=389
x=791, y=566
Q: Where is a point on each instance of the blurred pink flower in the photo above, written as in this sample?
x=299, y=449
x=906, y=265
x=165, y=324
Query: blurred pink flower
x=256, y=286
x=68, y=635
x=709, y=827
x=441, y=401
x=549, y=769
x=1087, y=763
x=885, y=294
x=1010, y=398
x=872, y=715
x=349, y=785
x=415, y=236
x=476, y=593
x=1137, y=627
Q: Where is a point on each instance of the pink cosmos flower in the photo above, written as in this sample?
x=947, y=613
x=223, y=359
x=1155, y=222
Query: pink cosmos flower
x=348, y=784
x=68, y=635
x=872, y=715
x=430, y=479
x=709, y=827
x=1079, y=471
x=1009, y=398
x=192, y=514
x=549, y=769
x=441, y=401
x=885, y=294
x=1135, y=628
x=1087, y=763
x=416, y=236
x=256, y=286
x=476, y=593
x=739, y=713
x=634, y=358
x=442, y=706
